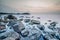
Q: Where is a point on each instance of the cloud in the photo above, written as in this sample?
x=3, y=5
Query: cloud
x=32, y=5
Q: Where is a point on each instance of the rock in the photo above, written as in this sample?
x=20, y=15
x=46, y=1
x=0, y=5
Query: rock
x=11, y=17
x=21, y=19
x=2, y=28
x=11, y=36
x=49, y=20
x=17, y=39
x=41, y=37
x=58, y=28
x=35, y=22
x=58, y=37
x=46, y=37
x=33, y=37
x=52, y=35
x=11, y=23
x=26, y=20
x=19, y=27
x=25, y=13
x=53, y=24
x=45, y=23
x=25, y=33
x=41, y=27
x=38, y=17
x=3, y=37
x=51, y=27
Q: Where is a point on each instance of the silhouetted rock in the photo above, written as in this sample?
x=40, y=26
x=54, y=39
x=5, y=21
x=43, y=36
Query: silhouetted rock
x=11, y=17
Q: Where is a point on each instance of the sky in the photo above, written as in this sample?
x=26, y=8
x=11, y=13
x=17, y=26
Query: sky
x=51, y=8
x=33, y=5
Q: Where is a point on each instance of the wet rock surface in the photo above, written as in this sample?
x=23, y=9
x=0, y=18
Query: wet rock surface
x=28, y=29
x=26, y=20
